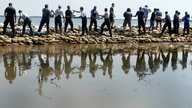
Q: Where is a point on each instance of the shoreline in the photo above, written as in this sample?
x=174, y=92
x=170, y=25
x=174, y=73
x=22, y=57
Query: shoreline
x=92, y=38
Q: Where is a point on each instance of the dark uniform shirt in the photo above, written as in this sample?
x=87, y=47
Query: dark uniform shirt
x=140, y=15
x=10, y=11
x=46, y=13
x=68, y=14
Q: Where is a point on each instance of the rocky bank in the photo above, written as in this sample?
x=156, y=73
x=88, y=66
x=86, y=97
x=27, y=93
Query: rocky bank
x=93, y=38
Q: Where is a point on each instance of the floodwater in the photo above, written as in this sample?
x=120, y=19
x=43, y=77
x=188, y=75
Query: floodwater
x=96, y=76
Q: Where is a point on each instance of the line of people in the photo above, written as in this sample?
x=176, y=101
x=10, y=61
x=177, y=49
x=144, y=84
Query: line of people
x=156, y=16
x=10, y=17
x=141, y=14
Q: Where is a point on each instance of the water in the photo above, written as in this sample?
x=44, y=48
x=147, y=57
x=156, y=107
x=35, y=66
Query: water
x=96, y=76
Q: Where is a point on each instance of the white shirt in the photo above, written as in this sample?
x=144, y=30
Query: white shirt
x=82, y=14
x=106, y=15
x=59, y=12
x=24, y=16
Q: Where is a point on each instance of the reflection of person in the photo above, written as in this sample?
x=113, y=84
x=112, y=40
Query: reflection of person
x=153, y=62
x=126, y=63
x=93, y=19
x=107, y=63
x=106, y=22
x=27, y=21
x=24, y=64
x=45, y=18
x=140, y=67
x=68, y=17
x=68, y=68
x=92, y=64
x=10, y=17
x=183, y=62
x=44, y=67
x=10, y=69
x=84, y=20
x=57, y=64
x=83, y=60
x=174, y=59
x=165, y=59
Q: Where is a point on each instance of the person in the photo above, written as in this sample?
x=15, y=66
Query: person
x=152, y=20
x=46, y=14
x=68, y=17
x=140, y=15
x=186, y=20
x=10, y=17
x=93, y=20
x=58, y=15
x=27, y=21
x=167, y=23
x=176, y=22
x=146, y=12
x=128, y=17
x=112, y=15
x=84, y=20
x=158, y=18
x=106, y=22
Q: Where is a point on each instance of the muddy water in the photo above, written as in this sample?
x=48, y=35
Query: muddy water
x=96, y=76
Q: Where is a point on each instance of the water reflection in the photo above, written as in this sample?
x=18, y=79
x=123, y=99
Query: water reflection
x=56, y=60
x=9, y=64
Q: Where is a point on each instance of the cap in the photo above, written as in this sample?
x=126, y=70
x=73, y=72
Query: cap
x=68, y=7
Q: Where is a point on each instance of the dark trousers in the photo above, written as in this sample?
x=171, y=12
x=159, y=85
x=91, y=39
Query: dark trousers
x=84, y=25
x=141, y=23
x=43, y=21
x=58, y=22
x=27, y=21
x=106, y=22
x=68, y=21
x=11, y=21
x=167, y=24
x=93, y=21
x=186, y=27
x=175, y=27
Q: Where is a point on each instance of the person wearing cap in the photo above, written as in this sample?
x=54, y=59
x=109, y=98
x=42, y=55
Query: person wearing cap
x=58, y=15
x=68, y=17
x=106, y=22
x=84, y=20
x=93, y=20
x=46, y=14
x=10, y=17
x=146, y=12
x=27, y=21
x=112, y=15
